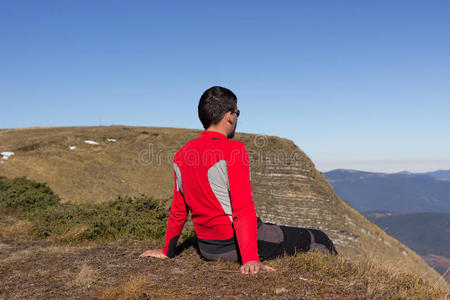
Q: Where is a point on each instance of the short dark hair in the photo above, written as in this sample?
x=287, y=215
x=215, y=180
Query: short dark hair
x=214, y=104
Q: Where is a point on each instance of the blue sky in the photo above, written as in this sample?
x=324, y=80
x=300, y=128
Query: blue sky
x=355, y=84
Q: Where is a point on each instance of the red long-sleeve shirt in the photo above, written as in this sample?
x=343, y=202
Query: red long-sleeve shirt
x=212, y=180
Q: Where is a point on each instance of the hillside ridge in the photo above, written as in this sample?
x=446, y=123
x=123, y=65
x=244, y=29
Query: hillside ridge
x=287, y=187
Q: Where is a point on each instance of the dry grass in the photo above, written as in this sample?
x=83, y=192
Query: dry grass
x=396, y=268
x=15, y=229
x=310, y=276
x=73, y=234
x=134, y=288
x=38, y=248
x=113, y=270
x=85, y=277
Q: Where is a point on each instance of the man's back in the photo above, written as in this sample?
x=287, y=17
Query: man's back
x=212, y=180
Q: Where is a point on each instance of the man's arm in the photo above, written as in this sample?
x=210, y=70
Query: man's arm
x=244, y=214
x=177, y=217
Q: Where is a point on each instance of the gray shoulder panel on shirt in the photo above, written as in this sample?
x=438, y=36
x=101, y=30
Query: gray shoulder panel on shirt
x=178, y=175
x=218, y=180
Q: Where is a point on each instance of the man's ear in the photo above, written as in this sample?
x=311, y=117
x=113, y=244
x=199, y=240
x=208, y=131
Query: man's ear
x=228, y=118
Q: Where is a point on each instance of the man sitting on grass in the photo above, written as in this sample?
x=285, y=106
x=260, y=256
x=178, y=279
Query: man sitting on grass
x=212, y=181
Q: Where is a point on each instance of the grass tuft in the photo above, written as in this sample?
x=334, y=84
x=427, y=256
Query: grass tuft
x=86, y=277
x=133, y=288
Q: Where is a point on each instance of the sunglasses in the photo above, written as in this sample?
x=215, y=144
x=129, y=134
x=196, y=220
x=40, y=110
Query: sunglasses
x=236, y=111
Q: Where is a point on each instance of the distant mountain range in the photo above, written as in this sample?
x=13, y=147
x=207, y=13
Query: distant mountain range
x=437, y=174
x=402, y=192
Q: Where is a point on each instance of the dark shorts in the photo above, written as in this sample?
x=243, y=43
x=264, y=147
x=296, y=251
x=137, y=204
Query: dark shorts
x=273, y=241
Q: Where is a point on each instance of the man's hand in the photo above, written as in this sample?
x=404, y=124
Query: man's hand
x=253, y=267
x=154, y=253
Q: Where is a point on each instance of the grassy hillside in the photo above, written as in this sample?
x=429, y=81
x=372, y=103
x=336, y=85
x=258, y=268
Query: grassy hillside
x=440, y=264
x=287, y=188
x=99, y=264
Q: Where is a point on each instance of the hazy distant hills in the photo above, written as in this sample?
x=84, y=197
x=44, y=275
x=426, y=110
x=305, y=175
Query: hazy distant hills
x=423, y=232
x=426, y=233
x=402, y=192
x=438, y=174
x=412, y=207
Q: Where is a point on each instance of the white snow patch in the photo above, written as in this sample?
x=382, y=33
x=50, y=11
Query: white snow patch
x=112, y=140
x=281, y=290
x=6, y=154
x=73, y=147
x=91, y=142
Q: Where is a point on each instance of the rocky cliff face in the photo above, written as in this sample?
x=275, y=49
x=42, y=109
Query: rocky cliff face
x=287, y=188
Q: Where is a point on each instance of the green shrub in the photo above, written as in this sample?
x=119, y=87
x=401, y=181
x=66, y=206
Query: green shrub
x=125, y=217
x=25, y=195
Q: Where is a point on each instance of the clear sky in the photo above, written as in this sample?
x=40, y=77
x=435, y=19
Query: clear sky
x=355, y=84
